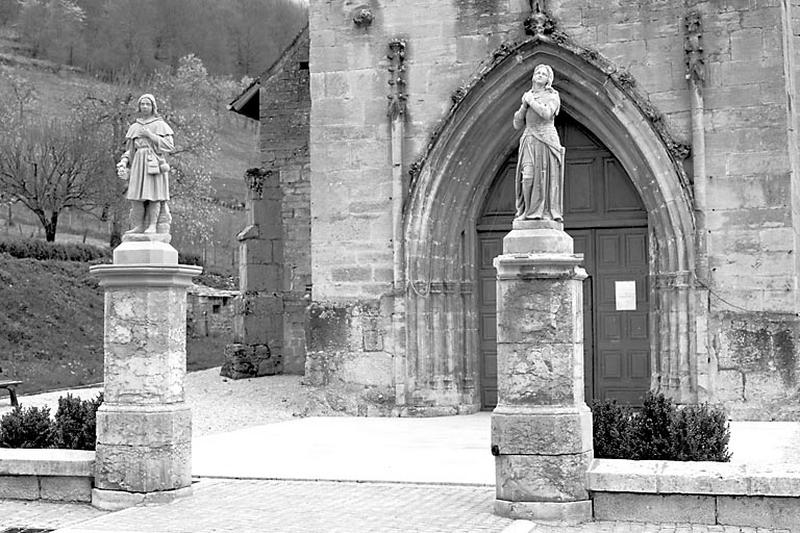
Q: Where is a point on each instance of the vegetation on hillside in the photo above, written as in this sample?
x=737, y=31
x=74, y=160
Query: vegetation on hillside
x=124, y=37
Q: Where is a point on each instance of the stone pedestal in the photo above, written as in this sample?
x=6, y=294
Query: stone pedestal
x=144, y=427
x=541, y=428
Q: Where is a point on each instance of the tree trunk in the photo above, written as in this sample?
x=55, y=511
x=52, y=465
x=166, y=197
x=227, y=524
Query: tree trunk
x=116, y=230
x=50, y=227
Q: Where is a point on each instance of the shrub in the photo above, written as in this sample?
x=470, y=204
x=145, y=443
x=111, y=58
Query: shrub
x=660, y=430
x=75, y=423
x=652, y=427
x=43, y=250
x=701, y=432
x=26, y=428
x=612, y=430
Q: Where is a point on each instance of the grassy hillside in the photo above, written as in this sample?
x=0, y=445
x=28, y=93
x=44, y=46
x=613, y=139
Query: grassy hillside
x=51, y=323
x=51, y=326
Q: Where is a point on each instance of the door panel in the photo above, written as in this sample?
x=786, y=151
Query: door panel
x=490, y=245
x=624, y=365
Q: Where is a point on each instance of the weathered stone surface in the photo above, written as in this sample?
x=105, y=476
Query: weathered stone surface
x=539, y=311
x=773, y=480
x=696, y=477
x=619, y=475
x=542, y=478
x=562, y=513
x=66, y=489
x=632, y=507
x=143, y=425
x=145, y=344
x=143, y=468
x=115, y=500
x=758, y=511
x=703, y=477
x=19, y=487
x=542, y=431
x=249, y=361
x=46, y=462
x=540, y=374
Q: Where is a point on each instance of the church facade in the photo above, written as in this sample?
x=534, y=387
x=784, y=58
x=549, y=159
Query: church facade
x=387, y=184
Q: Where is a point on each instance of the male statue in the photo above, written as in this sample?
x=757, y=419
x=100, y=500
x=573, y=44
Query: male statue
x=146, y=168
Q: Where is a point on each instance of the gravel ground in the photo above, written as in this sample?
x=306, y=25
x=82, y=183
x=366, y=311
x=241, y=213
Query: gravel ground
x=219, y=404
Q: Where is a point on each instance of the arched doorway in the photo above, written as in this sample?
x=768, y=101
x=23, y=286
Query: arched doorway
x=607, y=219
x=438, y=320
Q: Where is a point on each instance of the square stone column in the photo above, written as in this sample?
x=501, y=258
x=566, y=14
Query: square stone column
x=541, y=428
x=144, y=427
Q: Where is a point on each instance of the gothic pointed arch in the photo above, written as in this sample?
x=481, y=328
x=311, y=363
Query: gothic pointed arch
x=441, y=343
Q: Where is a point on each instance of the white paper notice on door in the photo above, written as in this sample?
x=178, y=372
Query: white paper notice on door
x=625, y=295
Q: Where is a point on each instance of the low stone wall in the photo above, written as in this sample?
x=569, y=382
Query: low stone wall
x=55, y=475
x=728, y=494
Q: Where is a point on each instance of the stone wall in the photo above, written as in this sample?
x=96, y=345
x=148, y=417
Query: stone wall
x=276, y=251
x=209, y=312
x=284, y=145
x=750, y=152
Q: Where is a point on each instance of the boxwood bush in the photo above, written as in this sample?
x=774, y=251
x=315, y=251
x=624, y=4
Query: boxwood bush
x=72, y=427
x=660, y=430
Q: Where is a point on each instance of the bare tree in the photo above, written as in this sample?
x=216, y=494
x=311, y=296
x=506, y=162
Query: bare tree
x=49, y=166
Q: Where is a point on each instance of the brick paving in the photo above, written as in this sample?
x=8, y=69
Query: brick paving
x=44, y=515
x=307, y=506
x=313, y=506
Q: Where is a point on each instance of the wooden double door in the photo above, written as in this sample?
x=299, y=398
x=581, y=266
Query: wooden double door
x=608, y=223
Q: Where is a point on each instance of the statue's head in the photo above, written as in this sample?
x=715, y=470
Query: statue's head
x=147, y=105
x=543, y=75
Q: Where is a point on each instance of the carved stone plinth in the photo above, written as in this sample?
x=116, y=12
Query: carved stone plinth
x=541, y=428
x=144, y=425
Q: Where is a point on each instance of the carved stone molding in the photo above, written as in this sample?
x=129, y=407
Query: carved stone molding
x=672, y=280
x=539, y=22
x=397, y=78
x=362, y=16
x=255, y=179
x=693, y=46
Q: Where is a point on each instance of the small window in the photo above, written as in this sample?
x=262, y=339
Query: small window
x=304, y=65
x=215, y=309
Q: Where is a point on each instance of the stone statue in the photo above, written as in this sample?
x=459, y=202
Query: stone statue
x=539, y=176
x=147, y=170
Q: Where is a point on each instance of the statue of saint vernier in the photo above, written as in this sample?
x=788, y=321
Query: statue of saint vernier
x=539, y=177
x=147, y=170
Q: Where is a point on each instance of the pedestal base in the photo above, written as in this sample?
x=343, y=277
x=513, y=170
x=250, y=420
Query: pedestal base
x=537, y=236
x=116, y=500
x=145, y=249
x=567, y=513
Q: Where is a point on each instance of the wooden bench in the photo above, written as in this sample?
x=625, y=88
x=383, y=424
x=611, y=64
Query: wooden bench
x=11, y=387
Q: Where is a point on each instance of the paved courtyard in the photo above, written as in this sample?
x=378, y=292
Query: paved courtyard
x=311, y=507
x=263, y=469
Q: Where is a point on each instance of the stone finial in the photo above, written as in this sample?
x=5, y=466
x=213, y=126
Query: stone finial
x=397, y=78
x=362, y=16
x=693, y=46
x=255, y=179
x=539, y=22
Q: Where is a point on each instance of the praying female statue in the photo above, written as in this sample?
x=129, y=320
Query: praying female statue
x=539, y=177
x=147, y=170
